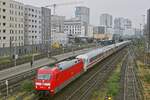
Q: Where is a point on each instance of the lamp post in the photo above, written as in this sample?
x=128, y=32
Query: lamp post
x=32, y=50
x=6, y=82
x=15, y=56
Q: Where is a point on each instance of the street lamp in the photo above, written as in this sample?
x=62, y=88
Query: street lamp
x=15, y=55
x=32, y=51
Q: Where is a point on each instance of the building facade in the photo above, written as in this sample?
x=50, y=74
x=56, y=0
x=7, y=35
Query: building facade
x=103, y=36
x=83, y=13
x=90, y=32
x=106, y=20
x=46, y=25
x=121, y=25
x=128, y=24
x=99, y=30
x=75, y=28
x=57, y=24
x=33, y=25
x=11, y=23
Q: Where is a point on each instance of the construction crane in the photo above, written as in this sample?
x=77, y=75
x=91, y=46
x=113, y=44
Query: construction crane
x=62, y=4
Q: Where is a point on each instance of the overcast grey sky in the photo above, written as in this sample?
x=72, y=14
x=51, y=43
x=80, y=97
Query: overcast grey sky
x=132, y=9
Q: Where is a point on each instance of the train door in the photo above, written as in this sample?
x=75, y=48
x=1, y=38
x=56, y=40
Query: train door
x=85, y=64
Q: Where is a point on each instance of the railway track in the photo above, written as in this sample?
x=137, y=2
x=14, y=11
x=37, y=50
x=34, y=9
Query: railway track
x=14, y=82
x=131, y=82
x=81, y=89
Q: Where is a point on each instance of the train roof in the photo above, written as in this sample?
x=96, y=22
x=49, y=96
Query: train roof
x=66, y=64
x=99, y=50
x=46, y=69
x=91, y=53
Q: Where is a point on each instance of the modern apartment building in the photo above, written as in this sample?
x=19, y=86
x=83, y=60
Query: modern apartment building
x=33, y=25
x=106, y=20
x=46, y=25
x=83, y=13
x=122, y=23
x=11, y=23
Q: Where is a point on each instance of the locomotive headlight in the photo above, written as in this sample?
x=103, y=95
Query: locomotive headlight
x=46, y=84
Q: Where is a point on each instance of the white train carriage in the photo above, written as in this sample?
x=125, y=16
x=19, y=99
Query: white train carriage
x=93, y=57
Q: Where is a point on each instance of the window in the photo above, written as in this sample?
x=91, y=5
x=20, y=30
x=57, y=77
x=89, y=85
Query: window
x=4, y=31
x=4, y=37
x=4, y=24
x=19, y=13
x=4, y=10
x=21, y=7
x=4, y=3
x=4, y=17
x=43, y=76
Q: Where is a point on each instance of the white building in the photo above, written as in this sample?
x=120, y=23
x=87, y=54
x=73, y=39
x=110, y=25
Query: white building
x=33, y=34
x=60, y=38
x=11, y=23
x=74, y=27
x=128, y=24
x=90, y=32
x=106, y=20
x=123, y=26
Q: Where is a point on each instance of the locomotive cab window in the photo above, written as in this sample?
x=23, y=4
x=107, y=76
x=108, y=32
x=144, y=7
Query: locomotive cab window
x=43, y=76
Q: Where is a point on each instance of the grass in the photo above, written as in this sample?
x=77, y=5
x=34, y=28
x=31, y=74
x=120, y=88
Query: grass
x=113, y=82
x=5, y=60
x=27, y=86
x=144, y=74
x=111, y=88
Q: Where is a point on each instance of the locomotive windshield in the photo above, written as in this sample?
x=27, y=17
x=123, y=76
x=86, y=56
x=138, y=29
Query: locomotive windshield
x=43, y=76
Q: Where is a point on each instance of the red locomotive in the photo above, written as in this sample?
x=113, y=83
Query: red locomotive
x=51, y=80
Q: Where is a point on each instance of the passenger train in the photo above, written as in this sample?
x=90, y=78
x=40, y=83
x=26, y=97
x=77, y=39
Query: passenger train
x=52, y=80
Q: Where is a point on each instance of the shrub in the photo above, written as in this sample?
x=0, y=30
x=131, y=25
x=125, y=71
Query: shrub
x=27, y=86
